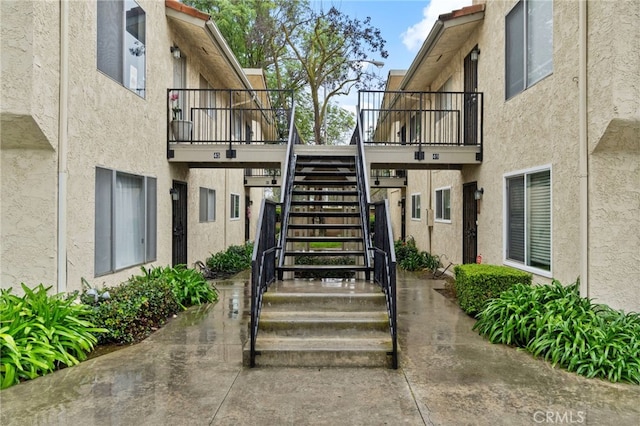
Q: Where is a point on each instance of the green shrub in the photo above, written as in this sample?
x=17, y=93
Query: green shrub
x=409, y=258
x=188, y=285
x=232, y=260
x=40, y=333
x=555, y=323
x=476, y=284
x=134, y=310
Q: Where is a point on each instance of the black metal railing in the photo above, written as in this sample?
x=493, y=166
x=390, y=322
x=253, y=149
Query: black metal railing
x=421, y=118
x=286, y=192
x=216, y=116
x=263, y=266
x=384, y=269
x=270, y=176
x=364, y=198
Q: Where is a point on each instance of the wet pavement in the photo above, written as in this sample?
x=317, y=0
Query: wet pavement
x=190, y=373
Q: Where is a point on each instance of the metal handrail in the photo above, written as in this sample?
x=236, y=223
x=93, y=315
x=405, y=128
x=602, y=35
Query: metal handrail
x=228, y=116
x=263, y=270
x=286, y=193
x=362, y=180
x=384, y=269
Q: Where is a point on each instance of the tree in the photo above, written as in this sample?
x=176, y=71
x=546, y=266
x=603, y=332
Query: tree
x=302, y=50
x=333, y=51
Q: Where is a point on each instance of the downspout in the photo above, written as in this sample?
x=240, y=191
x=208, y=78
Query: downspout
x=62, y=147
x=227, y=214
x=584, y=150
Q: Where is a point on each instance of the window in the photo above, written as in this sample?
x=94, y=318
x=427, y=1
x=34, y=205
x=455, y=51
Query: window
x=415, y=206
x=414, y=127
x=444, y=100
x=125, y=220
x=121, y=49
x=529, y=45
x=207, y=205
x=207, y=98
x=528, y=220
x=443, y=204
x=235, y=206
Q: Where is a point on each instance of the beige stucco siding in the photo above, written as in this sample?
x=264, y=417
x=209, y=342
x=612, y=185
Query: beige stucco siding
x=539, y=128
x=109, y=127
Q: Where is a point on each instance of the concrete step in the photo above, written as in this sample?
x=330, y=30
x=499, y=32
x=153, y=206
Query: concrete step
x=324, y=324
x=323, y=301
x=322, y=352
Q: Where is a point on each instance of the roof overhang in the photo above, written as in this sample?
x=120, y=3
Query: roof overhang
x=447, y=36
x=199, y=38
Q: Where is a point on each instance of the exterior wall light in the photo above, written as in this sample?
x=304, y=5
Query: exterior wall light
x=475, y=53
x=478, y=194
x=175, y=196
x=175, y=51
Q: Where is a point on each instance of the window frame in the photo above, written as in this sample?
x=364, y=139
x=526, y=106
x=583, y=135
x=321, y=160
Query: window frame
x=108, y=211
x=234, y=207
x=506, y=223
x=207, y=212
x=112, y=50
x=438, y=216
x=415, y=207
x=527, y=78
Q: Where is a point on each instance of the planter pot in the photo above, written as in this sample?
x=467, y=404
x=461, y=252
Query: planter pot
x=181, y=130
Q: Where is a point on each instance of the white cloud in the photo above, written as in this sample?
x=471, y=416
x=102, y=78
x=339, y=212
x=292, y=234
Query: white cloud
x=413, y=37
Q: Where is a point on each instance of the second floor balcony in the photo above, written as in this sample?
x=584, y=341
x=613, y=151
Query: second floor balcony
x=250, y=128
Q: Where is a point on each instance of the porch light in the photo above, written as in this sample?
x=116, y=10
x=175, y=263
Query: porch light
x=175, y=51
x=478, y=194
x=475, y=53
x=175, y=196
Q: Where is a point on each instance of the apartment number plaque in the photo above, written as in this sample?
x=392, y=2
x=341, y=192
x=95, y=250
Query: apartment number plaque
x=216, y=155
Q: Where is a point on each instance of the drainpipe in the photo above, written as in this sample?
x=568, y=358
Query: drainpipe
x=227, y=198
x=62, y=147
x=584, y=151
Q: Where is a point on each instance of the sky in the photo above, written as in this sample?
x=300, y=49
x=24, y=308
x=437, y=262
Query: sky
x=404, y=24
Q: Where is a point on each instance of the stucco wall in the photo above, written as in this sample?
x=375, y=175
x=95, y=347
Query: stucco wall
x=614, y=160
x=29, y=46
x=108, y=126
x=210, y=237
x=28, y=211
x=539, y=127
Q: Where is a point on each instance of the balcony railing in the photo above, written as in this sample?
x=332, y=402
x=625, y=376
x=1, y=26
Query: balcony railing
x=212, y=116
x=421, y=118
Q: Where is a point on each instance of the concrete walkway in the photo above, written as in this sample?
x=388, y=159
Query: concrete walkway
x=190, y=373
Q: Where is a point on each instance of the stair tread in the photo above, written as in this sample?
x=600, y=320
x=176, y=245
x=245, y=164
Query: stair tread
x=323, y=344
x=324, y=253
x=324, y=226
x=324, y=268
x=323, y=214
x=325, y=239
x=324, y=316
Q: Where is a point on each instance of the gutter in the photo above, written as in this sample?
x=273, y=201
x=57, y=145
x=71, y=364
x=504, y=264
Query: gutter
x=63, y=118
x=584, y=148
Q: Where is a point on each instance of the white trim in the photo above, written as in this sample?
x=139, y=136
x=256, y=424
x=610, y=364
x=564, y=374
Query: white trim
x=435, y=210
x=416, y=219
x=512, y=263
x=231, y=194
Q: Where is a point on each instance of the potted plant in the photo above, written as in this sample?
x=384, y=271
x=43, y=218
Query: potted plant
x=181, y=129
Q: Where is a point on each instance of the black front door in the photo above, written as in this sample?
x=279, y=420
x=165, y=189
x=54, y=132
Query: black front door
x=469, y=223
x=179, y=223
x=470, y=101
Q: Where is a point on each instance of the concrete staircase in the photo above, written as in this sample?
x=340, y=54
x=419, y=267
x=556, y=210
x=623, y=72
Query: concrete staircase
x=328, y=323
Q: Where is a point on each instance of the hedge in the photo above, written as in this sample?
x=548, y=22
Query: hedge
x=476, y=284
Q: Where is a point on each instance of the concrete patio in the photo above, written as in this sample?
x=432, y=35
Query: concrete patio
x=190, y=373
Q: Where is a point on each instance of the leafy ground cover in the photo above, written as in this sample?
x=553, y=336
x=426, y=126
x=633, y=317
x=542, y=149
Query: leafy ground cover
x=40, y=333
x=230, y=261
x=555, y=323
